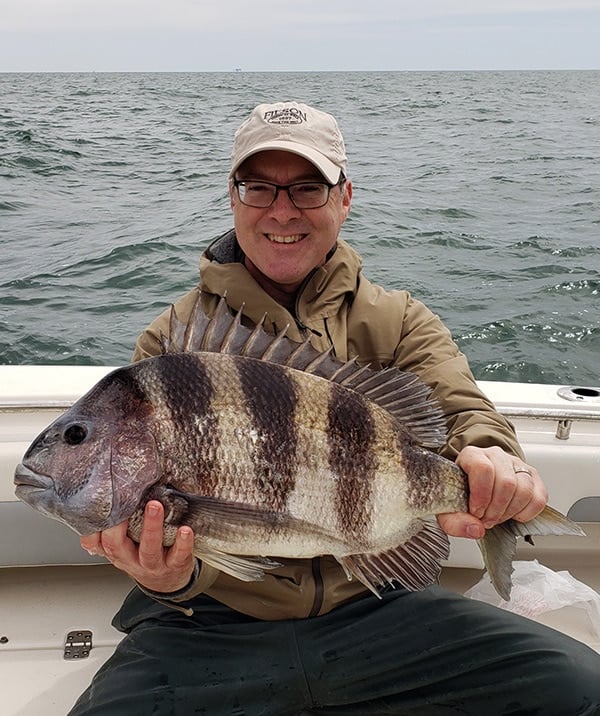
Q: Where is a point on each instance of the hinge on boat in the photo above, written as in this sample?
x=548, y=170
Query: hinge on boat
x=78, y=644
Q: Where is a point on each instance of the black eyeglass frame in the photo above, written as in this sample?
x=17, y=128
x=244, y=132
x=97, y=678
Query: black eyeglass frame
x=278, y=187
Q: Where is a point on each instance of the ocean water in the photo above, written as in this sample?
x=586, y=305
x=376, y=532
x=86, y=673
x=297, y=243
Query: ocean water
x=477, y=191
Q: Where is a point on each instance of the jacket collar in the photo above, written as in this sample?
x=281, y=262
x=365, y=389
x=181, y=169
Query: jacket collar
x=222, y=272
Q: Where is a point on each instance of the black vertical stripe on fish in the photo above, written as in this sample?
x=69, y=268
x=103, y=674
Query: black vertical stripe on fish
x=270, y=396
x=352, y=459
x=424, y=488
x=185, y=387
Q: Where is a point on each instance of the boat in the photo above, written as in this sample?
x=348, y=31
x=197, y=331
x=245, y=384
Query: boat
x=56, y=601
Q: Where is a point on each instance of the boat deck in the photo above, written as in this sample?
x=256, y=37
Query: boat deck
x=40, y=605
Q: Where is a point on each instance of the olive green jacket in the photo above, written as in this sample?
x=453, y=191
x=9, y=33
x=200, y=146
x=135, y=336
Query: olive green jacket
x=337, y=306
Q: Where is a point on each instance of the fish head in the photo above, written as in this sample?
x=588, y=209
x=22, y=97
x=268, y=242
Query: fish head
x=90, y=467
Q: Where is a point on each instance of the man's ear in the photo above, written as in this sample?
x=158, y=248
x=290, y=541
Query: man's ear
x=347, y=197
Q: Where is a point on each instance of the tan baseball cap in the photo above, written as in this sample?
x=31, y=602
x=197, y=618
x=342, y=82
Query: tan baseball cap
x=292, y=127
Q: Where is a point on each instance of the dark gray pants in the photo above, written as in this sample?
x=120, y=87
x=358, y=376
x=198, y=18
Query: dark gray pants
x=410, y=654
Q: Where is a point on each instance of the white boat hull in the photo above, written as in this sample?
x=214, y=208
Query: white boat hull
x=49, y=586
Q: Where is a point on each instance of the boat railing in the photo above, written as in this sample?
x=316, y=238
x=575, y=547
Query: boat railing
x=564, y=418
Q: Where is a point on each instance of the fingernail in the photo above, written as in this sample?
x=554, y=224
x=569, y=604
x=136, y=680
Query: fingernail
x=475, y=532
x=153, y=510
x=91, y=552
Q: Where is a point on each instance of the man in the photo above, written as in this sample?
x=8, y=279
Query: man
x=305, y=639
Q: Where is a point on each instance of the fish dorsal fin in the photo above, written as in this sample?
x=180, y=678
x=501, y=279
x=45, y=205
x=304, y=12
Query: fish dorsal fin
x=402, y=394
x=415, y=564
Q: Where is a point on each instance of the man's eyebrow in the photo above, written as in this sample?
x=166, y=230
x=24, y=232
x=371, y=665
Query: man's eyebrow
x=257, y=176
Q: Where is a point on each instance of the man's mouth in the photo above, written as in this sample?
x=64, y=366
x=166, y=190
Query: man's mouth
x=279, y=239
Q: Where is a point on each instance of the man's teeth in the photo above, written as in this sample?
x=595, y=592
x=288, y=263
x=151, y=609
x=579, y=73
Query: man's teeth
x=292, y=239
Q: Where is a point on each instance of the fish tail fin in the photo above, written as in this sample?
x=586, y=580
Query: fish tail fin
x=499, y=544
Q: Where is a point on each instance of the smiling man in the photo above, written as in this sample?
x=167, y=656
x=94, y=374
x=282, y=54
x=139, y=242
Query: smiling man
x=305, y=639
x=289, y=199
x=287, y=219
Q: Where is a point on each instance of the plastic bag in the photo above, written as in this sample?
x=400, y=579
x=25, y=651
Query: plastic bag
x=537, y=589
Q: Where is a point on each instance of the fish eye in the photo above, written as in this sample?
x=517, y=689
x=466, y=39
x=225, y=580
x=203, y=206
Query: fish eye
x=75, y=434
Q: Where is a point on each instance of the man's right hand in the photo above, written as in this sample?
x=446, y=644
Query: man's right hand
x=158, y=568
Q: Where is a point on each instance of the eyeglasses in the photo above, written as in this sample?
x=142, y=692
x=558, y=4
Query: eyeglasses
x=302, y=194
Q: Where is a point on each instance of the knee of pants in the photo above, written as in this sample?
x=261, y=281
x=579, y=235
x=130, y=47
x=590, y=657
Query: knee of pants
x=572, y=683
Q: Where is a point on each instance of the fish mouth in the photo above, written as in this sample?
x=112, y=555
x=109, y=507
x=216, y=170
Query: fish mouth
x=29, y=482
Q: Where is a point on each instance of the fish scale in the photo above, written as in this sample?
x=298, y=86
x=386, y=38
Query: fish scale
x=266, y=448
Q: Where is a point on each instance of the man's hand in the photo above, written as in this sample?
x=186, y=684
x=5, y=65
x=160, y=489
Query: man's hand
x=155, y=567
x=501, y=487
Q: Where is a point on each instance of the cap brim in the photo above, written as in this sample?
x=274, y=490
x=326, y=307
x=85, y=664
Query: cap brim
x=328, y=169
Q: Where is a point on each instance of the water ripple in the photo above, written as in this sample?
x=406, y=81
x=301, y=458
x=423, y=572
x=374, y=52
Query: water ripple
x=476, y=191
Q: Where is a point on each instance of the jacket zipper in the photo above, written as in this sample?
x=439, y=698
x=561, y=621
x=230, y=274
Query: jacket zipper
x=316, y=561
x=302, y=326
x=318, y=579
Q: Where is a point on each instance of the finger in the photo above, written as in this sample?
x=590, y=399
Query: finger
x=503, y=493
x=530, y=499
x=180, y=555
x=151, y=550
x=480, y=472
x=91, y=544
x=461, y=524
x=117, y=546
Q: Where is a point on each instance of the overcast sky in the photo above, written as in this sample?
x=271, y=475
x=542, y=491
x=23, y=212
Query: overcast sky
x=288, y=35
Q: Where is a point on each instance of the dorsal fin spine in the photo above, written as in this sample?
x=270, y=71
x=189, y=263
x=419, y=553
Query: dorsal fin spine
x=272, y=348
x=401, y=394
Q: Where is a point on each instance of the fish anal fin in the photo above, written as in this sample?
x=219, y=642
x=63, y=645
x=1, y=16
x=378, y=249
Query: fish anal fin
x=414, y=565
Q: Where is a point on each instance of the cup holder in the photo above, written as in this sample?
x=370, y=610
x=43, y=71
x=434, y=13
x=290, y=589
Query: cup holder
x=581, y=394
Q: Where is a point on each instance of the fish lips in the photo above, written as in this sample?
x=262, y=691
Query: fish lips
x=31, y=487
x=39, y=491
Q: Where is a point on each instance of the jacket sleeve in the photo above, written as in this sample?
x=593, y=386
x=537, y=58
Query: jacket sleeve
x=426, y=348
x=148, y=343
x=203, y=577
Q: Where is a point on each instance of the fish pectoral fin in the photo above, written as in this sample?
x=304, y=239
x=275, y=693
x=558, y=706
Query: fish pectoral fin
x=414, y=565
x=499, y=544
x=215, y=510
x=248, y=569
x=222, y=518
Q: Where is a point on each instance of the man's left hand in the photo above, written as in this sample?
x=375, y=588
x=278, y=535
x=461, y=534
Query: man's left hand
x=501, y=487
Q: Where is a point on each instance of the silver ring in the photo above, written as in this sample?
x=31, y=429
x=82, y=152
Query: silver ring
x=518, y=468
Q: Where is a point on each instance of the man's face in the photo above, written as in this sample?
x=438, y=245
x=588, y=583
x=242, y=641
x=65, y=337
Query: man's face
x=285, y=243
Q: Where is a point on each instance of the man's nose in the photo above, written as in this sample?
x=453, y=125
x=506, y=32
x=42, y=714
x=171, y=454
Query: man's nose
x=283, y=208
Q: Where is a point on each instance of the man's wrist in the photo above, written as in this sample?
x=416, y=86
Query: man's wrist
x=178, y=593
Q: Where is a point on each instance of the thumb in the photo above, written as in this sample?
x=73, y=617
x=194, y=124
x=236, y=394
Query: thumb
x=461, y=524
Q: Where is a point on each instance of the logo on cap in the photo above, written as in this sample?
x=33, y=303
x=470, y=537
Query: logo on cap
x=287, y=115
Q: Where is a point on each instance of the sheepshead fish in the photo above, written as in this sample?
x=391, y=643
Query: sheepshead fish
x=266, y=448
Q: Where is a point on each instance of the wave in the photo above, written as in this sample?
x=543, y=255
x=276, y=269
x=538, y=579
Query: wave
x=475, y=191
